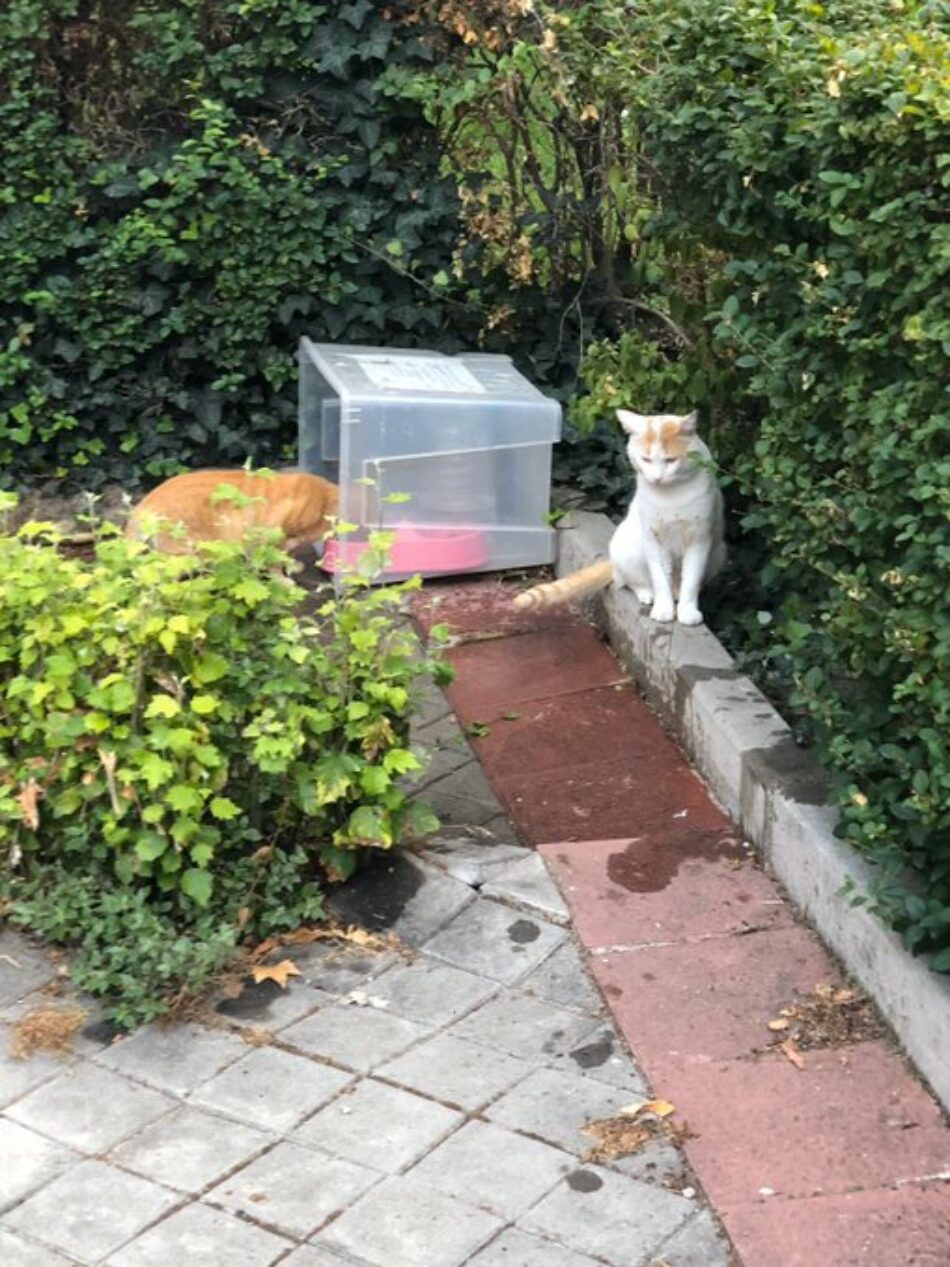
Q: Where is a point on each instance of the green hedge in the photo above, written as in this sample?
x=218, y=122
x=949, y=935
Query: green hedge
x=809, y=144
x=186, y=187
x=185, y=757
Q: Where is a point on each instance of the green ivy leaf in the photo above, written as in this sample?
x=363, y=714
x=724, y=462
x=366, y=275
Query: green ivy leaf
x=197, y=884
x=224, y=808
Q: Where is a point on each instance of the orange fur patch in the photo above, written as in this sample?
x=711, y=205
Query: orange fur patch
x=297, y=503
x=672, y=442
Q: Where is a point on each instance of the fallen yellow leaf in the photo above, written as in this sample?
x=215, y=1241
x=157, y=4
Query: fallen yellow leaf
x=278, y=972
x=780, y=1023
x=791, y=1052
x=659, y=1108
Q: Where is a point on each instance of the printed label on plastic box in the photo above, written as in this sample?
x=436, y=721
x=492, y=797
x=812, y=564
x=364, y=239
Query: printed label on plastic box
x=420, y=374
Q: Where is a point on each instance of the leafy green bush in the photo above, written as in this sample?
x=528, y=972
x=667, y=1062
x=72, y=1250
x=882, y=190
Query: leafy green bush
x=184, y=754
x=185, y=189
x=811, y=145
x=805, y=146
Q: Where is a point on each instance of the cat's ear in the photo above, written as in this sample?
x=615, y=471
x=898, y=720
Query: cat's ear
x=689, y=423
x=633, y=424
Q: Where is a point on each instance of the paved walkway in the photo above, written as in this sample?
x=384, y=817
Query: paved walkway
x=823, y=1152
x=427, y=1110
x=383, y=1111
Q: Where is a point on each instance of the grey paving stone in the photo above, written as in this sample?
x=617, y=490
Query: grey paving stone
x=527, y=885
x=430, y=992
x=494, y=1169
x=89, y=1108
x=16, y=1252
x=403, y=1223
x=293, y=1189
x=658, y=1162
x=377, y=1125
x=502, y=829
x=442, y=748
x=554, y=1106
x=90, y=1210
x=198, y=1236
x=271, y=1089
x=495, y=941
x=428, y=705
x=471, y=860
x=17, y=1077
x=515, y=1248
x=697, y=1244
x=266, y=1005
x=331, y=968
x=359, y=1037
x=601, y=1056
x=23, y=966
x=174, y=1058
x=458, y=811
x=521, y=1026
x=400, y=894
x=189, y=1149
x=311, y=1256
x=608, y=1216
x=27, y=1160
x=456, y=1071
x=470, y=783
x=561, y=979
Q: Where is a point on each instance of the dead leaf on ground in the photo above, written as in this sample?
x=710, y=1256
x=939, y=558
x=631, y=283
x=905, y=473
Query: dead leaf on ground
x=350, y=935
x=632, y=1127
x=831, y=1016
x=791, y=1052
x=659, y=1108
x=256, y=1035
x=45, y=1029
x=277, y=972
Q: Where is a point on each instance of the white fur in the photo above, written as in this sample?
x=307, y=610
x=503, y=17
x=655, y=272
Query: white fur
x=672, y=538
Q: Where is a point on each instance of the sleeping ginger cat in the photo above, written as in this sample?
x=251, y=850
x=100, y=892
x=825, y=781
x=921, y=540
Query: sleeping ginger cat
x=224, y=505
x=672, y=538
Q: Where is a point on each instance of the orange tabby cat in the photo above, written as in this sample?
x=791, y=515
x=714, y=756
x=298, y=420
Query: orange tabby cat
x=198, y=505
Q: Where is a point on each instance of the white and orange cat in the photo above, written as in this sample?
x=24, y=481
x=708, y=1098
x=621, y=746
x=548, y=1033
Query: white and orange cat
x=225, y=505
x=671, y=540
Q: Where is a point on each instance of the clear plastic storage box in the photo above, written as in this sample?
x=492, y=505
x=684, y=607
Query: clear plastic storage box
x=464, y=442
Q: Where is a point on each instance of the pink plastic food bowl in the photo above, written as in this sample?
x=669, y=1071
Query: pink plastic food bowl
x=432, y=550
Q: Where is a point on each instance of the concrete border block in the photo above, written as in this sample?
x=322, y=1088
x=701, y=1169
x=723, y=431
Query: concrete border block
x=774, y=791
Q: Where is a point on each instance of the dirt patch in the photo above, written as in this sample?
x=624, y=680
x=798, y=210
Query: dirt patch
x=831, y=1016
x=630, y=1130
x=70, y=513
x=47, y=1028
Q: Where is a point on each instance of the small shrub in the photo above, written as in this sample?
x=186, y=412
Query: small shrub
x=183, y=755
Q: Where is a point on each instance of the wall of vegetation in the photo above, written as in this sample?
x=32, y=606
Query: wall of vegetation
x=755, y=191
x=809, y=144
x=186, y=186
x=736, y=205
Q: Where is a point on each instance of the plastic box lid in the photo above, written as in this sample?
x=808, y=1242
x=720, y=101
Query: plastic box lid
x=361, y=374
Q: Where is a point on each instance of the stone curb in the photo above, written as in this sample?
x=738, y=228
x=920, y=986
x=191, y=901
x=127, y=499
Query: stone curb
x=775, y=792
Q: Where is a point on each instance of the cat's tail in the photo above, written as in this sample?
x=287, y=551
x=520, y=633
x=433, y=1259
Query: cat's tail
x=576, y=585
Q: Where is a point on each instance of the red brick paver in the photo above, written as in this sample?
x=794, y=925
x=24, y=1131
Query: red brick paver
x=842, y=1162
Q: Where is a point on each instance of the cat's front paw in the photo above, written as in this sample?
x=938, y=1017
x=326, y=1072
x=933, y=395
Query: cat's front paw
x=662, y=612
x=689, y=614
x=644, y=595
